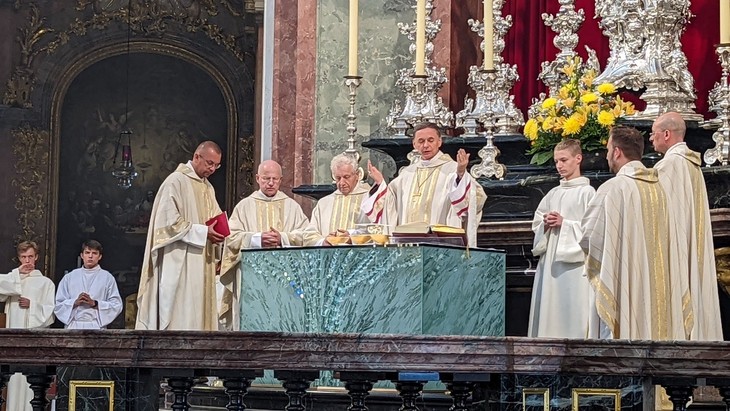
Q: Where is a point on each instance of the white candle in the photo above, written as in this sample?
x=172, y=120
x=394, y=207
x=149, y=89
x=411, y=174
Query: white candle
x=352, y=54
x=421, y=38
x=724, y=21
x=488, y=35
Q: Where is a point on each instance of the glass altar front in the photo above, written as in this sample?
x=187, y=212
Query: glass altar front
x=406, y=289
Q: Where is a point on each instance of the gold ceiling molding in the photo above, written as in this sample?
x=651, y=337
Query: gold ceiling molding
x=151, y=17
x=31, y=153
x=21, y=82
x=148, y=17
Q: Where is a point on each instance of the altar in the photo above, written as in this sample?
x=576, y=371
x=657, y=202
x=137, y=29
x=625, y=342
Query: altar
x=405, y=289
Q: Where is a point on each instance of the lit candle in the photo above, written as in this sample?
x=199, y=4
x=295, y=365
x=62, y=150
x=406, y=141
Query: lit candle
x=421, y=38
x=724, y=21
x=488, y=35
x=352, y=55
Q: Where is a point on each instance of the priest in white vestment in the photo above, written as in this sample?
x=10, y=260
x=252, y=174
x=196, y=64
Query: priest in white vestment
x=177, y=288
x=433, y=190
x=268, y=218
x=28, y=296
x=343, y=209
x=636, y=294
x=682, y=180
x=560, y=294
x=88, y=297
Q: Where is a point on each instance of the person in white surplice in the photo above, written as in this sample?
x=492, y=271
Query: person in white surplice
x=88, y=297
x=177, y=287
x=341, y=210
x=28, y=298
x=681, y=177
x=268, y=218
x=560, y=292
x=635, y=293
x=433, y=190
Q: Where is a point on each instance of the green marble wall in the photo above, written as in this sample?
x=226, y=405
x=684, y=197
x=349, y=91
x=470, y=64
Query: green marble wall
x=402, y=290
x=382, y=51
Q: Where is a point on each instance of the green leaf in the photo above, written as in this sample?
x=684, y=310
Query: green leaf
x=541, y=158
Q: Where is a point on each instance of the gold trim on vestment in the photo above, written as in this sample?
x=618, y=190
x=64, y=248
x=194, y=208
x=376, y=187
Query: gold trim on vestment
x=421, y=197
x=606, y=304
x=269, y=214
x=653, y=203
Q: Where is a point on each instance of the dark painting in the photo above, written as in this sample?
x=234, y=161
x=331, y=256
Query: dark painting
x=170, y=106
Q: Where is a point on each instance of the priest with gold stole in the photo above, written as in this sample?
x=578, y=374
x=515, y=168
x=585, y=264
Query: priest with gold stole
x=681, y=178
x=343, y=209
x=177, y=285
x=635, y=292
x=433, y=190
x=267, y=218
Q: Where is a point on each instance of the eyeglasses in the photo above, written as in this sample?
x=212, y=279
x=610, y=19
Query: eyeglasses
x=270, y=179
x=210, y=163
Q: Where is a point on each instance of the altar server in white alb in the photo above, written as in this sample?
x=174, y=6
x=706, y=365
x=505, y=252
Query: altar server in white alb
x=268, y=218
x=28, y=297
x=88, y=297
x=560, y=295
x=341, y=210
x=433, y=190
x=636, y=293
x=682, y=180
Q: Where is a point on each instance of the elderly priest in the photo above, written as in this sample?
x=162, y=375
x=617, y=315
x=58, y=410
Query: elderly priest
x=341, y=210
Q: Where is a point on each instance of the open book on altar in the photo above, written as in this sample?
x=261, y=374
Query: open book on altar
x=421, y=232
x=221, y=226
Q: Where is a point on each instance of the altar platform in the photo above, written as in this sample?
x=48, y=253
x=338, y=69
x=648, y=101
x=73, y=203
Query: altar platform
x=472, y=366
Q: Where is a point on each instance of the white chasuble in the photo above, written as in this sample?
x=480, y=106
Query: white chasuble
x=251, y=217
x=336, y=212
x=689, y=211
x=561, y=290
x=177, y=287
x=428, y=191
x=636, y=294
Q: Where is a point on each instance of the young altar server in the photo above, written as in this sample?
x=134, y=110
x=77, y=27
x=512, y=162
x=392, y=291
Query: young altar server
x=28, y=297
x=561, y=290
x=88, y=297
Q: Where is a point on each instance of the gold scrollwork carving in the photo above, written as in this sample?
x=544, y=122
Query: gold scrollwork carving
x=21, y=82
x=31, y=151
x=246, y=168
x=151, y=17
x=722, y=264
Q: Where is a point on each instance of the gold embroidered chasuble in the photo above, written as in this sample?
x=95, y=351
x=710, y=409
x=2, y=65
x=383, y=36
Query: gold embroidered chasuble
x=691, y=236
x=635, y=292
x=177, y=286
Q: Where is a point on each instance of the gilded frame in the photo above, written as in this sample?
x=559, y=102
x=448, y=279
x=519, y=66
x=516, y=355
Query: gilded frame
x=604, y=392
x=545, y=392
x=76, y=384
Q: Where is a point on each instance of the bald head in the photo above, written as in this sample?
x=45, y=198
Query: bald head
x=667, y=130
x=269, y=177
x=206, y=159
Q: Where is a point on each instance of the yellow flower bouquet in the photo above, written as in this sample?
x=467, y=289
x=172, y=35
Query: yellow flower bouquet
x=581, y=110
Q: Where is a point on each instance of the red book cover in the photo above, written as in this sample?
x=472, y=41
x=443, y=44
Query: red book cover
x=221, y=226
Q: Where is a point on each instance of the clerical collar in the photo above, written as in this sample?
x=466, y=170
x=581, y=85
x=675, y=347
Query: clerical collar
x=578, y=181
x=91, y=270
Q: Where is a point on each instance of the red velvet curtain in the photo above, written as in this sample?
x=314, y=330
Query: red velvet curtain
x=529, y=42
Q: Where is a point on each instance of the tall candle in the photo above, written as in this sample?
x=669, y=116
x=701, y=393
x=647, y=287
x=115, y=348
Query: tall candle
x=421, y=38
x=352, y=54
x=488, y=35
x=724, y=21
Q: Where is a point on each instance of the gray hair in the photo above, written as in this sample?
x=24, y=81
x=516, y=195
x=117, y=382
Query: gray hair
x=342, y=160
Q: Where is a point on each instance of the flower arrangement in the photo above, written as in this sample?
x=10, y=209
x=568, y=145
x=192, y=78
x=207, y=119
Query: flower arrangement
x=581, y=110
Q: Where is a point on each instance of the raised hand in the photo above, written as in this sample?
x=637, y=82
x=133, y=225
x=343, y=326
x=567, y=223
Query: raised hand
x=462, y=161
x=374, y=173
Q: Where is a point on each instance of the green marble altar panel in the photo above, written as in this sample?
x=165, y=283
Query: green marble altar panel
x=401, y=290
